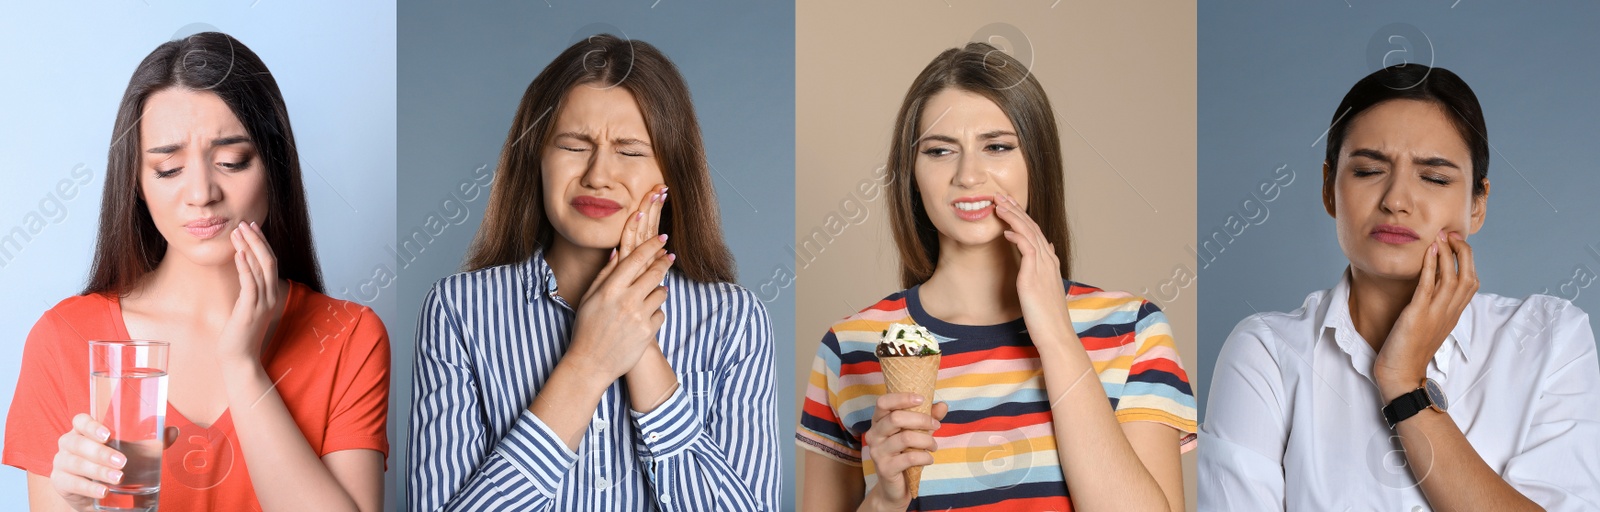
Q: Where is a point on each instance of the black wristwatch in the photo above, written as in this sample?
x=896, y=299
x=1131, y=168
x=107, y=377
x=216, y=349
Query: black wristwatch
x=1428, y=396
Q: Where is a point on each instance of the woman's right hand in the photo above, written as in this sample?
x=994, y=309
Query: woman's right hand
x=898, y=440
x=620, y=314
x=84, y=464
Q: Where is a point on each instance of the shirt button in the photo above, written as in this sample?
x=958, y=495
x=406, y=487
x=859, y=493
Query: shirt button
x=653, y=436
x=602, y=482
x=1417, y=508
x=665, y=500
x=599, y=426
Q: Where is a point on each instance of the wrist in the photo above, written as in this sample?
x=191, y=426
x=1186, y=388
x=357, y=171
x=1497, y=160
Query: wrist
x=875, y=502
x=1391, y=387
x=585, y=377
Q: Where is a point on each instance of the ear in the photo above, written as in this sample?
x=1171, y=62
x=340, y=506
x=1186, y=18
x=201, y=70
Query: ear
x=1327, y=189
x=1480, y=208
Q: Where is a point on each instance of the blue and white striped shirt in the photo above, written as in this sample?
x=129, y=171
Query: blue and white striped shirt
x=487, y=341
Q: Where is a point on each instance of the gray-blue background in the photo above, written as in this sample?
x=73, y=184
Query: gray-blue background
x=1271, y=76
x=63, y=69
x=462, y=71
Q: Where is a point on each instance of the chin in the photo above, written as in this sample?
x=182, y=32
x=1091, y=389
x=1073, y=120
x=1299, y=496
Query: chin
x=206, y=254
x=1394, y=267
x=590, y=235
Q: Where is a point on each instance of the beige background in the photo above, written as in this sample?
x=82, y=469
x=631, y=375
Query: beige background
x=1122, y=81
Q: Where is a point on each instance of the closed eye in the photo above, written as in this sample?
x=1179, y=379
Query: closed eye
x=937, y=151
x=167, y=173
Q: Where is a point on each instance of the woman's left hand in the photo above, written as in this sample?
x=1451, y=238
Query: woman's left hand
x=1039, y=284
x=246, y=328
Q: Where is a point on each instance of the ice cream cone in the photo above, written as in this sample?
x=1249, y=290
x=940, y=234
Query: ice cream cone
x=912, y=374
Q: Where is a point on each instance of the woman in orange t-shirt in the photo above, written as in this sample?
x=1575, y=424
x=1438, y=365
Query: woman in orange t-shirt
x=277, y=392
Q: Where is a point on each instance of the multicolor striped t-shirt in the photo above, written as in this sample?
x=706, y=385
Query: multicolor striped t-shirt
x=997, y=449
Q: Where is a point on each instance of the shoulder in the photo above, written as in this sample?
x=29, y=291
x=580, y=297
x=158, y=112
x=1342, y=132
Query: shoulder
x=1541, y=322
x=465, y=288
x=330, y=320
x=724, y=297
x=85, y=315
x=876, y=317
x=1264, y=334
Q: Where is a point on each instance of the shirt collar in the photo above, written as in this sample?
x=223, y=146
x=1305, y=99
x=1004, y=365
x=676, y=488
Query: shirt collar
x=1338, y=317
x=539, y=278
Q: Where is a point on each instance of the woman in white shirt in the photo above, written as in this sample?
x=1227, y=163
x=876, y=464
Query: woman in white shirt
x=1402, y=388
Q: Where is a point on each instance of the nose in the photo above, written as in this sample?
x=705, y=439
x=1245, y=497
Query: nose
x=200, y=187
x=1397, y=198
x=969, y=171
x=601, y=167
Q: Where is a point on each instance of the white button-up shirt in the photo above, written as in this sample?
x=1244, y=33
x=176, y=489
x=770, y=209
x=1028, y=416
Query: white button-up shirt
x=1295, y=420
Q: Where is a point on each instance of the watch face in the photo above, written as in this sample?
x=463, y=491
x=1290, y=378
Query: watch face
x=1436, y=395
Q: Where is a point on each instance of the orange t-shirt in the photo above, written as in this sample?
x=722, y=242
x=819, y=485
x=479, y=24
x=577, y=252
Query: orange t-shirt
x=329, y=357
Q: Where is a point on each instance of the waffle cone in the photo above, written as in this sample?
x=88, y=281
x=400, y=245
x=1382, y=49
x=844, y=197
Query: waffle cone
x=915, y=374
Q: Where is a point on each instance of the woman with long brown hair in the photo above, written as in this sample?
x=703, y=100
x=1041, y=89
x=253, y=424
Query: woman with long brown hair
x=278, y=394
x=596, y=354
x=1051, y=394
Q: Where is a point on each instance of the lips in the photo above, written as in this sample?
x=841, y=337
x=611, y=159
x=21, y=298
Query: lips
x=1394, y=234
x=206, y=228
x=595, y=207
x=974, y=208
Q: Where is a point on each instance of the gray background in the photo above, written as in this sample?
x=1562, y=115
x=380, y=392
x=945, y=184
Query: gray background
x=463, y=69
x=1271, y=77
x=65, y=68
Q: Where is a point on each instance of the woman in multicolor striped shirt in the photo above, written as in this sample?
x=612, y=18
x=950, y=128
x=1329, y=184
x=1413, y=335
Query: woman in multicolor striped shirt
x=588, y=360
x=1019, y=422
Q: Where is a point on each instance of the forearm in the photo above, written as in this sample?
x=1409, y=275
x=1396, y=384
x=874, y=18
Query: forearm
x=287, y=475
x=651, y=381
x=1448, y=469
x=567, y=401
x=1099, y=464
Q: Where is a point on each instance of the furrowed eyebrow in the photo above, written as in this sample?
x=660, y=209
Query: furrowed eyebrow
x=224, y=141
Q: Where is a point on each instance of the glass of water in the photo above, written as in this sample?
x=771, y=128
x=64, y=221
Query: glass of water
x=128, y=394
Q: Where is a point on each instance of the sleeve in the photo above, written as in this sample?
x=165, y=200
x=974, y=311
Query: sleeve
x=1157, y=388
x=453, y=465
x=713, y=444
x=822, y=429
x=1559, y=464
x=360, y=416
x=41, y=410
x=1241, y=467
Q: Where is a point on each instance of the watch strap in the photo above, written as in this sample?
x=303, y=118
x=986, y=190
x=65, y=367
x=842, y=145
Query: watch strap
x=1405, y=406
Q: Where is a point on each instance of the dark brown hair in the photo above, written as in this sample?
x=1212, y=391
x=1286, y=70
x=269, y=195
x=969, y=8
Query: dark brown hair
x=1413, y=82
x=514, y=224
x=128, y=245
x=980, y=69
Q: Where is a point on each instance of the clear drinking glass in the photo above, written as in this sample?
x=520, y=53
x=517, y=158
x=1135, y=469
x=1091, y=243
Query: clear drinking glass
x=128, y=394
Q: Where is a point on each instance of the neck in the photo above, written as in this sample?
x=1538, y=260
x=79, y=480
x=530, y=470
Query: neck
x=1376, y=303
x=182, y=285
x=973, y=284
x=575, y=267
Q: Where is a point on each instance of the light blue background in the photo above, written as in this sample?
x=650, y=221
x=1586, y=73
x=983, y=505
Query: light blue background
x=463, y=70
x=65, y=68
x=1271, y=77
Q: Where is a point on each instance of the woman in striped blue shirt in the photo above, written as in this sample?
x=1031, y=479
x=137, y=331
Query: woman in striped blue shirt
x=597, y=354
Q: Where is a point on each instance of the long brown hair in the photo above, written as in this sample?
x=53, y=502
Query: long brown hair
x=514, y=224
x=128, y=245
x=981, y=69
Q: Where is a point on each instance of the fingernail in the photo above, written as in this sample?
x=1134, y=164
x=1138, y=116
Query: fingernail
x=935, y=423
x=916, y=399
x=103, y=433
x=114, y=476
x=639, y=216
x=663, y=189
x=100, y=491
x=663, y=197
x=613, y=254
x=672, y=257
x=1456, y=236
x=118, y=460
x=663, y=237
